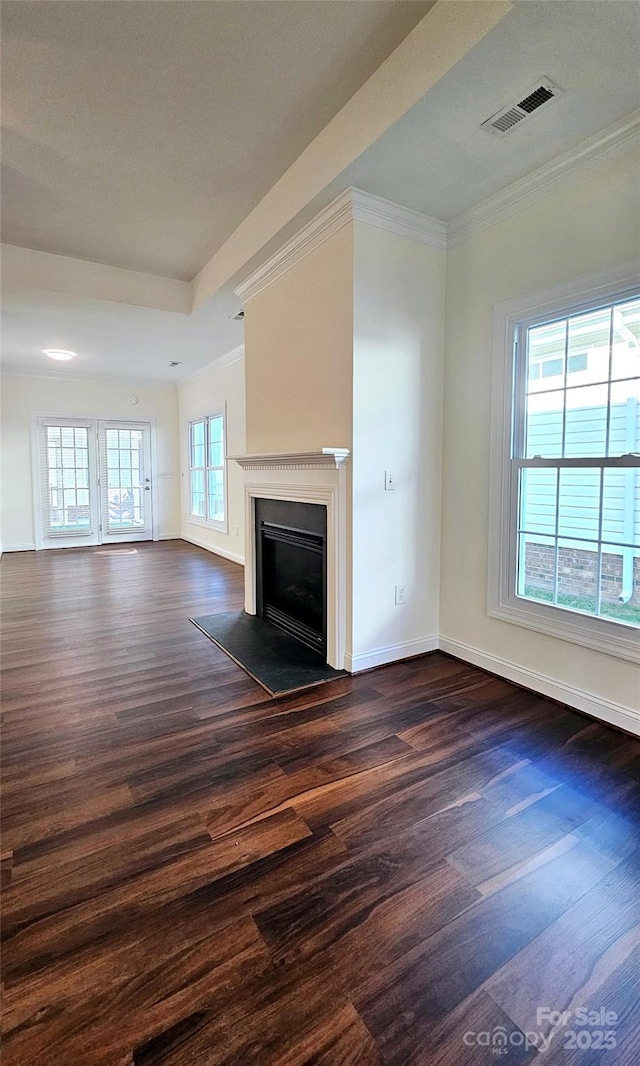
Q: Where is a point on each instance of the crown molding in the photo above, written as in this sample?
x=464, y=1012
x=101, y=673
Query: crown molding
x=234, y=355
x=394, y=218
x=352, y=205
x=99, y=379
x=538, y=184
x=324, y=225
x=356, y=205
x=318, y=460
x=32, y=269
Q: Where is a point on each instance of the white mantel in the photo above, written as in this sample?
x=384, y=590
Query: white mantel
x=304, y=477
x=326, y=457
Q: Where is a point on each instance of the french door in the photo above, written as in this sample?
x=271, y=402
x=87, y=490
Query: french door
x=95, y=482
x=124, y=449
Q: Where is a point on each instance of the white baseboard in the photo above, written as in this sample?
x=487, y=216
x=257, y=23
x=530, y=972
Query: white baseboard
x=171, y=536
x=18, y=548
x=389, y=654
x=233, y=557
x=612, y=713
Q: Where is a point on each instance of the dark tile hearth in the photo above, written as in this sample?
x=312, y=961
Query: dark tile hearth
x=275, y=660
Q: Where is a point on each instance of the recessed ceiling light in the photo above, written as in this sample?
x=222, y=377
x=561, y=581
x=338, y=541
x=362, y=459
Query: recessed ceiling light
x=60, y=354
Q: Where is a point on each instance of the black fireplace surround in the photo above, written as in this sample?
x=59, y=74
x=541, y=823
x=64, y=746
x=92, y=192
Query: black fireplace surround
x=291, y=569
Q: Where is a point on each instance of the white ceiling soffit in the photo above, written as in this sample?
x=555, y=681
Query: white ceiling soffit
x=23, y=268
x=141, y=134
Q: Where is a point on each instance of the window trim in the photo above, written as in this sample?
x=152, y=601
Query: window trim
x=210, y=523
x=600, y=634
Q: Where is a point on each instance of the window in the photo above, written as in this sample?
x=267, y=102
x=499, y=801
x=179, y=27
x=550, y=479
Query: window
x=66, y=484
x=92, y=480
x=207, y=473
x=576, y=363
x=552, y=368
x=215, y=469
x=549, y=368
x=568, y=508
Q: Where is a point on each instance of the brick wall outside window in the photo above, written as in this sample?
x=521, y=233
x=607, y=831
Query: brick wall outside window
x=577, y=572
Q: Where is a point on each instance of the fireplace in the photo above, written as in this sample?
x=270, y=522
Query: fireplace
x=291, y=569
x=317, y=478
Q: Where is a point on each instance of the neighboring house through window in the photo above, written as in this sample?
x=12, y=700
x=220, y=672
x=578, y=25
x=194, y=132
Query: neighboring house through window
x=566, y=479
x=207, y=470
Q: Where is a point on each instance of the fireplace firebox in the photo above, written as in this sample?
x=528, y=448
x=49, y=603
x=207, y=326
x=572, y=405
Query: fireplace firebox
x=291, y=569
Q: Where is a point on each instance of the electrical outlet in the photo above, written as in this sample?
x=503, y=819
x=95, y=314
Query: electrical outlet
x=237, y=530
x=401, y=594
x=389, y=481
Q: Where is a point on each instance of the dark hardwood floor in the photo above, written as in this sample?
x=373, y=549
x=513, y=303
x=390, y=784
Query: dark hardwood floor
x=384, y=869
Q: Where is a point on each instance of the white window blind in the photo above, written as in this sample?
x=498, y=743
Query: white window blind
x=122, y=479
x=215, y=468
x=66, y=460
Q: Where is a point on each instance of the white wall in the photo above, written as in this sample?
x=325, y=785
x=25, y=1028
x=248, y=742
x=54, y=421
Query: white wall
x=581, y=229
x=397, y=426
x=23, y=396
x=220, y=384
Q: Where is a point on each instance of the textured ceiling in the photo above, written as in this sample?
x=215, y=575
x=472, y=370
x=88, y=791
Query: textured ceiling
x=185, y=185
x=141, y=134
x=437, y=159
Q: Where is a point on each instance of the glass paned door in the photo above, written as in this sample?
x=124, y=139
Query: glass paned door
x=94, y=482
x=68, y=483
x=125, y=481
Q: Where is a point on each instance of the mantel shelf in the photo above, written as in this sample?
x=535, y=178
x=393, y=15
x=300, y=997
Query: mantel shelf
x=332, y=457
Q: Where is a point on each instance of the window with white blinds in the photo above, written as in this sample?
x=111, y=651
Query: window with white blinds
x=66, y=465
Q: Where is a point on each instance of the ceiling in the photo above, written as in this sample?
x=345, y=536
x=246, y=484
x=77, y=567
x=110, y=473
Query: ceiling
x=113, y=339
x=176, y=172
x=436, y=158
x=141, y=134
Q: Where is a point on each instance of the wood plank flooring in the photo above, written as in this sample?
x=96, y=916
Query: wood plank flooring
x=397, y=868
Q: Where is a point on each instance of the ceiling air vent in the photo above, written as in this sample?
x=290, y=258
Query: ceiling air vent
x=510, y=116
